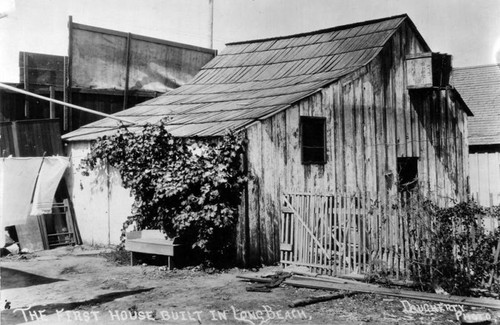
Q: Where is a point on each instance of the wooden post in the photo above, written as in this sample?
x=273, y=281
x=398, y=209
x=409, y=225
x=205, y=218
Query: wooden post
x=26, y=85
x=52, y=106
x=127, y=72
x=15, y=140
x=211, y=23
x=67, y=112
x=497, y=252
x=108, y=203
x=65, y=95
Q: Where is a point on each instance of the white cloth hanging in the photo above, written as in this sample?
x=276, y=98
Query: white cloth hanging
x=18, y=178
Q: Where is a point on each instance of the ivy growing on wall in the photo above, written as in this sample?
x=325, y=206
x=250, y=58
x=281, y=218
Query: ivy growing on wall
x=188, y=188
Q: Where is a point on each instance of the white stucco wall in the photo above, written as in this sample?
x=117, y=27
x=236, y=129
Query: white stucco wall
x=101, y=203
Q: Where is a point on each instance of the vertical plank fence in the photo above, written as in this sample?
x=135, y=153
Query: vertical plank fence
x=343, y=233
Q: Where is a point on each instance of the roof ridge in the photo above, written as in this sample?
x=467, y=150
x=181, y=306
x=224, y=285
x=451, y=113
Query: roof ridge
x=478, y=66
x=319, y=31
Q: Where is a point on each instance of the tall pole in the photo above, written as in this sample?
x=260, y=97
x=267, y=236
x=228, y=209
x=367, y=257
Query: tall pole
x=211, y=22
x=127, y=71
x=67, y=83
x=52, y=107
x=26, y=84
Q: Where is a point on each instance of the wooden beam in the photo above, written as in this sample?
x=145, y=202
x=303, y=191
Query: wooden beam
x=323, y=285
x=65, y=94
x=254, y=278
x=143, y=38
x=26, y=85
x=67, y=79
x=497, y=252
x=313, y=300
x=127, y=72
x=52, y=113
x=15, y=140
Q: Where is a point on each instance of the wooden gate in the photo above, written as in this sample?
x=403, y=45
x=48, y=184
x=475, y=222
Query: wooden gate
x=327, y=233
x=344, y=233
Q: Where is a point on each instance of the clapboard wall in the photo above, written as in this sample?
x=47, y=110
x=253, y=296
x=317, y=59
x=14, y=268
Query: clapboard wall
x=371, y=120
x=484, y=163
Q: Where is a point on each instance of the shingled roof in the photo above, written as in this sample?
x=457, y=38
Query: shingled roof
x=252, y=80
x=480, y=89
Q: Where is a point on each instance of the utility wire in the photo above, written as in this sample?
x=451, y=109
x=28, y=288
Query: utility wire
x=88, y=110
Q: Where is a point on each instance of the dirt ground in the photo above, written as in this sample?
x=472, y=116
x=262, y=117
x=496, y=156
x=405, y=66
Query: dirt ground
x=79, y=285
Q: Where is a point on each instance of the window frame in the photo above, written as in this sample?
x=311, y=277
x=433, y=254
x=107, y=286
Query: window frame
x=402, y=163
x=303, y=120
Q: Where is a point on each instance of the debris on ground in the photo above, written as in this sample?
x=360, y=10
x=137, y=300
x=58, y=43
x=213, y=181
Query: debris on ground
x=316, y=283
x=440, y=291
x=275, y=280
x=300, y=270
x=313, y=300
x=335, y=284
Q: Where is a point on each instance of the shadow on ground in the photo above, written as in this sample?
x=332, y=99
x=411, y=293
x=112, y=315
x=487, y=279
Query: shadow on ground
x=16, y=317
x=12, y=278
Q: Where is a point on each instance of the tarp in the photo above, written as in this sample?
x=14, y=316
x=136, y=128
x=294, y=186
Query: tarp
x=18, y=196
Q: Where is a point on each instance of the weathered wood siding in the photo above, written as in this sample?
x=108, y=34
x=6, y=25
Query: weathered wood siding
x=30, y=138
x=372, y=119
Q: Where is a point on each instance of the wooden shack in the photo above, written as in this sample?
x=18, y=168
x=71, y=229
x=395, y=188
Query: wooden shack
x=480, y=88
x=363, y=108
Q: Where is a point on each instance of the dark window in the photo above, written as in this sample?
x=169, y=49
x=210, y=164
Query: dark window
x=407, y=174
x=313, y=131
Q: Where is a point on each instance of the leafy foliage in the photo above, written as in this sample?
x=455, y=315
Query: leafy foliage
x=463, y=250
x=189, y=188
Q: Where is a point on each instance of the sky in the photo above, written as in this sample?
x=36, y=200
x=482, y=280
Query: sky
x=468, y=30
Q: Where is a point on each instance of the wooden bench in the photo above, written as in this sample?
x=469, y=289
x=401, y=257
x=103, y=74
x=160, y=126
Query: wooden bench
x=150, y=242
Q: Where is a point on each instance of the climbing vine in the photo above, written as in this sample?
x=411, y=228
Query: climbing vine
x=463, y=249
x=188, y=188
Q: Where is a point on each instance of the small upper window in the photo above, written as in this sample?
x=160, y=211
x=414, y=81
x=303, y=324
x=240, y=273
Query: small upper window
x=407, y=174
x=313, y=136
